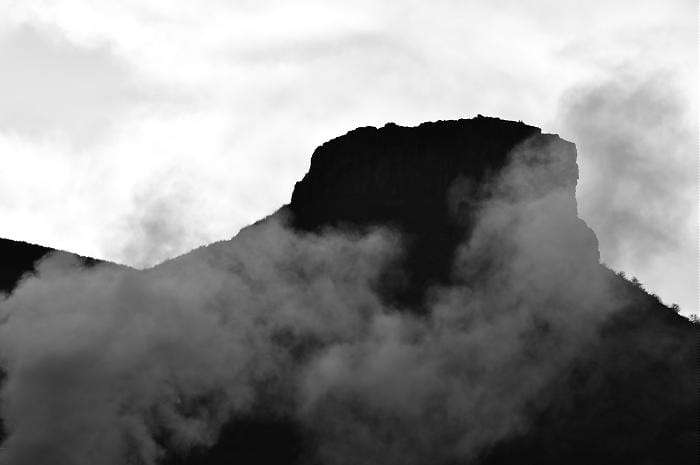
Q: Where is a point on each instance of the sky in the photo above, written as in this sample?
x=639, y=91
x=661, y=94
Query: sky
x=137, y=130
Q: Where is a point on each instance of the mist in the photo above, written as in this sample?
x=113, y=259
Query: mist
x=637, y=137
x=110, y=365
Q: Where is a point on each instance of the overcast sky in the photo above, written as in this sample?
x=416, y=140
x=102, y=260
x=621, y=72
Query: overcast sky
x=137, y=130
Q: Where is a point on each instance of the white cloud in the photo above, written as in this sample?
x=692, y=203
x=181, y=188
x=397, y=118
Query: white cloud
x=229, y=99
x=51, y=87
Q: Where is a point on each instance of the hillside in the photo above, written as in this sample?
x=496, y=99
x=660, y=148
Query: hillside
x=428, y=296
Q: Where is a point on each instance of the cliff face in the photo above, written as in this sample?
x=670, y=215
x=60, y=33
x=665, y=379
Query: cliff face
x=403, y=175
x=429, y=182
x=490, y=335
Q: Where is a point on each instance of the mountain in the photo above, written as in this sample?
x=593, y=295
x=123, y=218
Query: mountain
x=426, y=181
x=546, y=355
x=19, y=258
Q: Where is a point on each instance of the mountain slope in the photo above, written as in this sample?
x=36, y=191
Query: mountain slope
x=18, y=258
x=628, y=396
x=429, y=296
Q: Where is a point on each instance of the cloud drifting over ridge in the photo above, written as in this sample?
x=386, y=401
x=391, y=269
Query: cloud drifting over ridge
x=99, y=361
x=138, y=351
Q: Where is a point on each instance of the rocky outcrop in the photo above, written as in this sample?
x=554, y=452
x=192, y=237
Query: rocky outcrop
x=628, y=398
x=627, y=393
x=402, y=175
x=428, y=182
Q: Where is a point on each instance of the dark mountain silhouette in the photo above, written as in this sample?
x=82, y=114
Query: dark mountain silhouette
x=19, y=258
x=403, y=177
x=628, y=397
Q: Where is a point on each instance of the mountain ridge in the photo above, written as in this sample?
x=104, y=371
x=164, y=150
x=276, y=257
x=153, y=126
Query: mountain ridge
x=472, y=198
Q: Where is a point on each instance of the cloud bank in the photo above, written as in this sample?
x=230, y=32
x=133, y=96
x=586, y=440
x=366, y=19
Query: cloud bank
x=110, y=365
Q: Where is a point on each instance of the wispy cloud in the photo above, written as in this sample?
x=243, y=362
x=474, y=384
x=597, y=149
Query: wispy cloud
x=639, y=176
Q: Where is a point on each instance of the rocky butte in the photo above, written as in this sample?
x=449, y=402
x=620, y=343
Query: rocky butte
x=428, y=182
x=501, y=338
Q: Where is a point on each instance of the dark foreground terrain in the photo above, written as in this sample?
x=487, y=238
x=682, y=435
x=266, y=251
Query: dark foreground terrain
x=595, y=370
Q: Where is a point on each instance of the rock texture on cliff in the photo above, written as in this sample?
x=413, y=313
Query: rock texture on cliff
x=427, y=181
